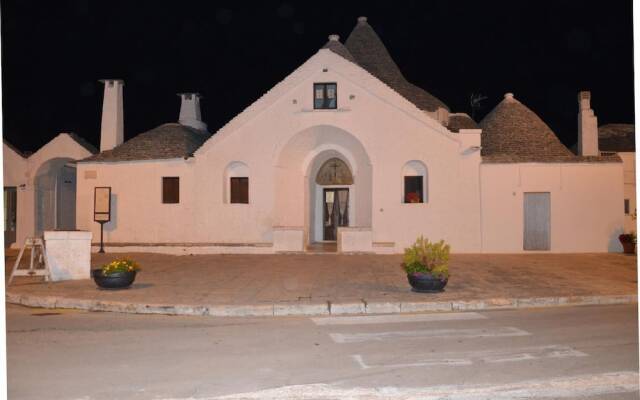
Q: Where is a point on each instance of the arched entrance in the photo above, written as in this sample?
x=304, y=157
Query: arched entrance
x=55, y=196
x=331, y=195
x=323, y=181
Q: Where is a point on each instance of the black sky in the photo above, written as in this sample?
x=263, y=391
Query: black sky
x=54, y=52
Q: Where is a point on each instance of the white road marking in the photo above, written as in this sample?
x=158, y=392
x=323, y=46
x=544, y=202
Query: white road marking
x=428, y=333
x=427, y=363
x=486, y=356
x=397, y=318
x=555, y=388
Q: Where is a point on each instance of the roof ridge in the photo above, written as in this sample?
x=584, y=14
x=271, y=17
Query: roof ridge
x=14, y=148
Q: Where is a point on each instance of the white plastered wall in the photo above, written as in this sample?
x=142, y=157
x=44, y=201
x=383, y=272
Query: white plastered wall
x=629, y=167
x=137, y=212
x=586, y=205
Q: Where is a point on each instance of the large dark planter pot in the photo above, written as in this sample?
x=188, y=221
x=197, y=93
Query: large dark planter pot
x=422, y=283
x=116, y=280
x=629, y=247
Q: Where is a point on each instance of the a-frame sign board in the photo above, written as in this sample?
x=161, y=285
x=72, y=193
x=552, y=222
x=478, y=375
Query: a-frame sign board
x=38, y=254
x=102, y=209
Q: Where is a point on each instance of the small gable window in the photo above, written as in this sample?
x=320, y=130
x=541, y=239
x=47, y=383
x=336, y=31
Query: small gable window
x=414, y=182
x=240, y=190
x=170, y=190
x=325, y=96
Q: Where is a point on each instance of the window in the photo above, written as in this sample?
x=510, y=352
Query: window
x=325, y=96
x=240, y=190
x=413, y=189
x=236, y=183
x=626, y=206
x=170, y=190
x=414, y=183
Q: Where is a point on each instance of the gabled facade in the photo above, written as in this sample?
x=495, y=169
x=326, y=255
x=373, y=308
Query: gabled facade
x=40, y=188
x=346, y=151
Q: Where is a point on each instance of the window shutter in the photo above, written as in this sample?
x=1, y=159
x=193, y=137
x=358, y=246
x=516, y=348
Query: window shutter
x=240, y=190
x=171, y=190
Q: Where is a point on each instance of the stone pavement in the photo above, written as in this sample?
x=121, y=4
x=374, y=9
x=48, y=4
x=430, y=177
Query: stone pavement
x=303, y=284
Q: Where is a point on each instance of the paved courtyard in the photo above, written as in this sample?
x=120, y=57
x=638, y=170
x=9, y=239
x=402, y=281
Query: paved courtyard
x=223, y=280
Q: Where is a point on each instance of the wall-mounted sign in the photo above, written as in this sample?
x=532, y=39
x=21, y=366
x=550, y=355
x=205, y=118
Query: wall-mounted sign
x=102, y=204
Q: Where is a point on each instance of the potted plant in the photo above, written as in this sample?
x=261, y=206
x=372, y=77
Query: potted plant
x=118, y=274
x=427, y=265
x=413, y=197
x=628, y=241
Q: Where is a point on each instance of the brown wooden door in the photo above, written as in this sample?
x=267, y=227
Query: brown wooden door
x=336, y=211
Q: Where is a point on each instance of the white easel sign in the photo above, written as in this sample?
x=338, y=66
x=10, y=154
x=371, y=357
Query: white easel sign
x=102, y=204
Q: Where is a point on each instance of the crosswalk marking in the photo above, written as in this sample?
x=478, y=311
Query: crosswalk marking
x=426, y=363
x=484, y=356
x=396, y=318
x=428, y=333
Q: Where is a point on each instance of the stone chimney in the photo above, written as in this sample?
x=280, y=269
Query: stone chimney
x=112, y=128
x=190, y=111
x=587, y=127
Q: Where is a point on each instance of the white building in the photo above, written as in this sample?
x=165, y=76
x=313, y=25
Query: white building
x=345, y=150
x=620, y=139
x=40, y=188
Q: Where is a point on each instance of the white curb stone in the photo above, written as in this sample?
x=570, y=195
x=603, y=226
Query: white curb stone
x=347, y=308
x=261, y=310
x=383, y=308
x=436, y=306
x=297, y=308
x=500, y=303
x=537, y=302
x=300, y=309
x=468, y=305
x=615, y=299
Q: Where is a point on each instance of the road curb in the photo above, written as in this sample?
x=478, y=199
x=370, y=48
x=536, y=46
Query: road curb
x=315, y=309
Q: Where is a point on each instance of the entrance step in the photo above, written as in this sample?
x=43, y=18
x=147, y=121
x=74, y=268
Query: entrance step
x=322, y=247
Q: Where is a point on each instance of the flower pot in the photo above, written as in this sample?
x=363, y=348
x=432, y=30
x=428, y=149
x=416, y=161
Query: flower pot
x=628, y=247
x=115, y=280
x=423, y=283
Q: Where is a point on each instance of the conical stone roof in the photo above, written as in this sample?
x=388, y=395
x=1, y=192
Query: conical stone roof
x=511, y=132
x=163, y=142
x=371, y=54
x=334, y=45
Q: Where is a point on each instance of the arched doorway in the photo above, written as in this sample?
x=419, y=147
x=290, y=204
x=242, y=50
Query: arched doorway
x=299, y=200
x=55, y=196
x=331, y=194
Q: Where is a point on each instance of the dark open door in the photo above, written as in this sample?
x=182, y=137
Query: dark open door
x=336, y=211
x=10, y=215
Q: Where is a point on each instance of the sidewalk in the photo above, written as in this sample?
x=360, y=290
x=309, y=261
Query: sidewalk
x=234, y=285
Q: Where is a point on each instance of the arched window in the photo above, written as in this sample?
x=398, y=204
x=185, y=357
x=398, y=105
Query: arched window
x=415, y=188
x=237, y=183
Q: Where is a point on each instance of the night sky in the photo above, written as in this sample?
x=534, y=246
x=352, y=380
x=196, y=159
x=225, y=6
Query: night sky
x=54, y=52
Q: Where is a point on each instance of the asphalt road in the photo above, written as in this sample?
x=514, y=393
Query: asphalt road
x=540, y=353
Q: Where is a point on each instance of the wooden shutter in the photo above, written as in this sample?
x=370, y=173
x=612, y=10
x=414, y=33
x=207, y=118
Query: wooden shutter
x=170, y=190
x=240, y=190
